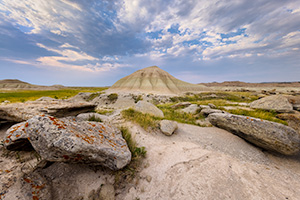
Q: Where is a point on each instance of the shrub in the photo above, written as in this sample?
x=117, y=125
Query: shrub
x=112, y=97
x=94, y=118
x=92, y=96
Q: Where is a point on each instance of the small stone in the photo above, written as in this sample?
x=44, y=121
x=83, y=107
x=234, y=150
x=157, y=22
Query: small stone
x=148, y=178
x=168, y=127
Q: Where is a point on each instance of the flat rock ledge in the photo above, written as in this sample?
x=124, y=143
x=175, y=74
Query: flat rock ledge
x=265, y=134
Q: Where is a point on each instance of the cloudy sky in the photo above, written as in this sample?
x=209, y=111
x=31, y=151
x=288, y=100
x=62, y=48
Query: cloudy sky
x=95, y=43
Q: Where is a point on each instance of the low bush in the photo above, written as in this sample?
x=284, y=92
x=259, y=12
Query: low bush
x=113, y=97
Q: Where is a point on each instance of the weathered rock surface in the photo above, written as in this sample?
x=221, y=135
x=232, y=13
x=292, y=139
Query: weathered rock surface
x=268, y=135
x=212, y=106
x=211, y=163
x=148, y=108
x=168, y=127
x=16, y=138
x=19, y=112
x=208, y=111
x=123, y=101
x=191, y=109
x=36, y=186
x=81, y=96
x=293, y=120
x=72, y=140
x=277, y=103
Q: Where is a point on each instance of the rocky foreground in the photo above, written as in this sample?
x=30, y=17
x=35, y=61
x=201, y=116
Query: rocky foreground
x=46, y=155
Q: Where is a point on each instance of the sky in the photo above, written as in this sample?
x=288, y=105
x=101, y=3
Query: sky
x=95, y=43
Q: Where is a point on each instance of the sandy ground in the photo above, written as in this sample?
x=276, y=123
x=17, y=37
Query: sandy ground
x=210, y=163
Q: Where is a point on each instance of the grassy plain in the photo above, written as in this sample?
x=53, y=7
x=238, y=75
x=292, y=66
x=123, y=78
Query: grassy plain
x=31, y=95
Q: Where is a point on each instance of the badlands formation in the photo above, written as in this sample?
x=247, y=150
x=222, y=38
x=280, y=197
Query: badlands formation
x=52, y=150
x=154, y=80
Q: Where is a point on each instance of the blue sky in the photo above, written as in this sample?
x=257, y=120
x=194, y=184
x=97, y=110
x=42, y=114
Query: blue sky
x=95, y=43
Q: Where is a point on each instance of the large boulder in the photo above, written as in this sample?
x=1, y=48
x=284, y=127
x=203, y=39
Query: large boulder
x=168, y=127
x=148, y=108
x=277, y=103
x=18, y=112
x=268, y=135
x=76, y=141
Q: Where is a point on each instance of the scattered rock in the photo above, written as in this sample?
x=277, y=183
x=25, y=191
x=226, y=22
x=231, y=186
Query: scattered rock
x=16, y=138
x=18, y=112
x=212, y=106
x=208, y=111
x=268, y=135
x=277, y=103
x=76, y=141
x=148, y=108
x=107, y=192
x=193, y=108
x=148, y=178
x=181, y=105
x=168, y=127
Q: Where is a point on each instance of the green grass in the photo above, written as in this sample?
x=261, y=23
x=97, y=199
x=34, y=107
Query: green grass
x=261, y=114
x=104, y=112
x=94, y=119
x=146, y=121
x=229, y=96
x=176, y=115
x=127, y=174
x=31, y=95
x=112, y=97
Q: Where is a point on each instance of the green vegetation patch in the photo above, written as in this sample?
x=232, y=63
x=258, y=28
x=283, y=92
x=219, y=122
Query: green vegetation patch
x=127, y=174
x=113, y=97
x=261, y=114
x=146, y=121
x=229, y=96
x=31, y=95
x=104, y=112
x=94, y=119
x=181, y=117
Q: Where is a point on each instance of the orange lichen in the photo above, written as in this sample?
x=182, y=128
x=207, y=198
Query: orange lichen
x=18, y=135
x=15, y=129
x=7, y=171
x=6, y=141
x=85, y=138
x=27, y=180
x=26, y=124
x=60, y=124
x=100, y=131
x=35, y=198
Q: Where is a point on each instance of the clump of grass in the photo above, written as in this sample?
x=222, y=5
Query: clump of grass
x=257, y=113
x=104, y=112
x=94, y=119
x=112, y=97
x=146, y=121
x=137, y=98
x=93, y=96
x=127, y=174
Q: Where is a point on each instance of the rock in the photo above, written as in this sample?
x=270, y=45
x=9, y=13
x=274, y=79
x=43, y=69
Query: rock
x=16, y=138
x=212, y=106
x=107, y=192
x=81, y=97
x=148, y=108
x=35, y=186
x=168, y=127
x=203, y=122
x=18, y=112
x=204, y=107
x=87, y=116
x=268, y=135
x=46, y=99
x=181, y=105
x=277, y=103
x=193, y=108
x=208, y=111
x=76, y=141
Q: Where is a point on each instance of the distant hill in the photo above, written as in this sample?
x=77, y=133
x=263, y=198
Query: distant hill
x=17, y=84
x=244, y=84
x=154, y=80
